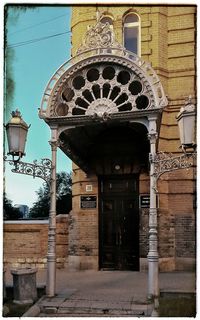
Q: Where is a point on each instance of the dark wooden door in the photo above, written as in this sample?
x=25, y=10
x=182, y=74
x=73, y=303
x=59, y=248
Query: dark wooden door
x=119, y=223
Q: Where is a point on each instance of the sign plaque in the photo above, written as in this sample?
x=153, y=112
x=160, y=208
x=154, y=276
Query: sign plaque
x=88, y=202
x=88, y=187
x=145, y=201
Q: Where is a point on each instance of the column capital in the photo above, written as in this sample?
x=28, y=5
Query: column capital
x=54, y=144
x=153, y=136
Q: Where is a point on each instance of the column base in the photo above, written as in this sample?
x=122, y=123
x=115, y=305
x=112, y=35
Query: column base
x=77, y=263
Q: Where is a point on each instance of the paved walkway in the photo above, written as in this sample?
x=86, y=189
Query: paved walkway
x=106, y=292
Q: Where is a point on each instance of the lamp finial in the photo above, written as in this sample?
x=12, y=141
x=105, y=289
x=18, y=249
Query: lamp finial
x=16, y=113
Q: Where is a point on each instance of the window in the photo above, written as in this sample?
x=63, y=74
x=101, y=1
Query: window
x=106, y=19
x=131, y=33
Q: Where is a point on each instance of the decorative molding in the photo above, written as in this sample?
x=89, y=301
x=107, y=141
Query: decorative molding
x=97, y=36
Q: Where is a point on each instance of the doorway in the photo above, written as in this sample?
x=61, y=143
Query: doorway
x=119, y=222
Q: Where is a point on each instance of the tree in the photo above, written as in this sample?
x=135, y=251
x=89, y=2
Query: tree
x=10, y=212
x=41, y=207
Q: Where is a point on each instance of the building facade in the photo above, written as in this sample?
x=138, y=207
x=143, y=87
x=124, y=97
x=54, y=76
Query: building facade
x=24, y=210
x=111, y=105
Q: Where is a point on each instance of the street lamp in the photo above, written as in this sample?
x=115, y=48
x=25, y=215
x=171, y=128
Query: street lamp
x=186, y=124
x=161, y=163
x=17, y=130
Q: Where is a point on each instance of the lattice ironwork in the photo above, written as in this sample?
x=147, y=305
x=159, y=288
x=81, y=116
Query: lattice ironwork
x=167, y=162
x=40, y=170
x=102, y=89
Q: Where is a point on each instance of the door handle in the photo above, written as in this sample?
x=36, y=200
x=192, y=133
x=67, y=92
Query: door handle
x=118, y=238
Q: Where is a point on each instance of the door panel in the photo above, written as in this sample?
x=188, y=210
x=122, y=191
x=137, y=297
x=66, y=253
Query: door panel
x=119, y=223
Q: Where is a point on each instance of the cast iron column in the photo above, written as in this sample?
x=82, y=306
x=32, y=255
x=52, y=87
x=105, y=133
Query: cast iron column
x=153, y=286
x=51, y=254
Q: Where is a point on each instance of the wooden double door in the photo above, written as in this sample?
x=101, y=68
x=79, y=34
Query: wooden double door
x=119, y=223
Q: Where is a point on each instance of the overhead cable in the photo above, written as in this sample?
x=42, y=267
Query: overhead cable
x=38, y=24
x=23, y=43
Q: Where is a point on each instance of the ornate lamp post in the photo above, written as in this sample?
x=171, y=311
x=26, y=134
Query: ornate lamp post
x=159, y=164
x=17, y=130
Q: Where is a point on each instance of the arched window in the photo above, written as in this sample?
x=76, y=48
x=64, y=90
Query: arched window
x=131, y=33
x=105, y=19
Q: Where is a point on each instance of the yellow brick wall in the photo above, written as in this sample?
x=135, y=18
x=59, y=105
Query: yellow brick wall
x=167, y=38
x=168, y=42
x=25, y=243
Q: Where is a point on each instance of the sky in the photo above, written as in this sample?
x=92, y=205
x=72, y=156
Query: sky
x=30, y=61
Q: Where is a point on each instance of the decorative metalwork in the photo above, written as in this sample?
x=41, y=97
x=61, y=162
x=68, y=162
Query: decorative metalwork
x=166, y=162
x=101, y=116
x=100, y=89
x=40, y=170
x=65, y=88
x=97, y=36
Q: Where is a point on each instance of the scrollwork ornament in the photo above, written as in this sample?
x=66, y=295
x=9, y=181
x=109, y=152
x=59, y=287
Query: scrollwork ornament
x=166, y=162
x=97, y=36
x=36, y=170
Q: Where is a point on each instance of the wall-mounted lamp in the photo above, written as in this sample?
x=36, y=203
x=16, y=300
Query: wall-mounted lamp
x=186, y=124
x=16, y=130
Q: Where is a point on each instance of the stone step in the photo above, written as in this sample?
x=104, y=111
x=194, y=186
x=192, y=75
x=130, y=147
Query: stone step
x=97, y=309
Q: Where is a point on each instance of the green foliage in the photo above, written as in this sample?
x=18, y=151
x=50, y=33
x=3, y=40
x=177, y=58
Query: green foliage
x=10, y=212
x=41, y=207
x=177, y=307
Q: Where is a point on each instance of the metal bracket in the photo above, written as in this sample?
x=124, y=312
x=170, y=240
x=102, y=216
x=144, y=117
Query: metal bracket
x=40, y=170
x=166, y=162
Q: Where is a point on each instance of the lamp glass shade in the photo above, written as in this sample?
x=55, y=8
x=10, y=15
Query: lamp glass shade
x=186, y=123
x=16, y=130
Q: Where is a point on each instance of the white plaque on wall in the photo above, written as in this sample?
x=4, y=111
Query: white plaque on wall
x=88, y=187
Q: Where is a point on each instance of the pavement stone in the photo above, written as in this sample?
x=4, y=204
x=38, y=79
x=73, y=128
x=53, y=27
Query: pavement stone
x=69, y=304
x=106, y=293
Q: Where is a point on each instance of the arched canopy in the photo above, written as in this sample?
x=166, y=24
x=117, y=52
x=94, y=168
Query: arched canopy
x=103, y=83
x=102, y=79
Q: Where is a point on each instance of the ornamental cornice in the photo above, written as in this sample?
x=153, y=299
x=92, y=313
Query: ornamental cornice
x=72, y=122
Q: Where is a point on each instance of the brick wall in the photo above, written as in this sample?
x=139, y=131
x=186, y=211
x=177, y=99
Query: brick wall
x=168, y=42
x=25, y=243
x=185, y=236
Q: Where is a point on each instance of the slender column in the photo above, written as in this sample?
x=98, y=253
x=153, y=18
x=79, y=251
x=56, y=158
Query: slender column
x=51, y=254
x=153, y=285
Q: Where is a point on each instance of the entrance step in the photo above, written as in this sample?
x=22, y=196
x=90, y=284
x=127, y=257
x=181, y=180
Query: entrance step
x=80, y=308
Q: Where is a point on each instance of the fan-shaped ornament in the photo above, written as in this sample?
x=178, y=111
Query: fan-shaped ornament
x=103, y=79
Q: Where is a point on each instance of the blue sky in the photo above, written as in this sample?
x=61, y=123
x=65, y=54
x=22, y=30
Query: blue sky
x=31, y=66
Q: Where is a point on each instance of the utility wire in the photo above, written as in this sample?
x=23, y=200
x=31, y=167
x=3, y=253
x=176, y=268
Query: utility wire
x=23, y=43
x=38, y=24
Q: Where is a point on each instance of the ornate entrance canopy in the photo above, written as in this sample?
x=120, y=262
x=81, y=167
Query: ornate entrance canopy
x=104, y=82
x=103, y=79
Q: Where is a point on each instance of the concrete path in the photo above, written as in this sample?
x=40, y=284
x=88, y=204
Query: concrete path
x=106, y=293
